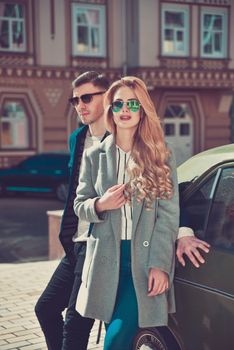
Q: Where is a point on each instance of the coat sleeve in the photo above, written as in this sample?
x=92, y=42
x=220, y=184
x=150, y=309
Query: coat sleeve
x=162, y=245
x=86, y=196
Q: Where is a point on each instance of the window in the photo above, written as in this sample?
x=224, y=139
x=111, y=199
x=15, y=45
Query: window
x=178, y=128
x=176, y=111
x=220, y=228
x=13, y=126
x=176, y=120
x=174, y=31
x=198, y=205
x=169, y=129
x=213, y=34
x=12, y=27
x=89, y=30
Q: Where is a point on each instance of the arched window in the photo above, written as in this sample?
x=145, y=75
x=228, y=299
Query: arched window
x=13, y=126
x=178, y=127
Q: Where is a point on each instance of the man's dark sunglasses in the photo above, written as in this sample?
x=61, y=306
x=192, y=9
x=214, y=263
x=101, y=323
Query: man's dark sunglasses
x=86, y=98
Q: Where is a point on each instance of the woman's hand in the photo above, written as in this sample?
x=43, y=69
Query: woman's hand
x=158, y=282
x=113, y=198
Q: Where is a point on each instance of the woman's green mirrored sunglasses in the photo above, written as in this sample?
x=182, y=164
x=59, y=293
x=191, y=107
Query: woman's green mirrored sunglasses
x=132, y=105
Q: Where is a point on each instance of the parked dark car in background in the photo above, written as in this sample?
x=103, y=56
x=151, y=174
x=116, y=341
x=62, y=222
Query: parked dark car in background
x=204, y=297
x=42, y=173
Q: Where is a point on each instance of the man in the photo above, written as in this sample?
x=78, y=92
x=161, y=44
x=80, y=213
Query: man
x=62, y=289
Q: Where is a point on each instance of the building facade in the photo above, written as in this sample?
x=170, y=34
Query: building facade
x=183, y=50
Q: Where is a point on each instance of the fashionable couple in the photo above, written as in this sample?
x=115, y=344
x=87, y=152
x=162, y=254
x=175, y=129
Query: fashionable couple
x=120, y=223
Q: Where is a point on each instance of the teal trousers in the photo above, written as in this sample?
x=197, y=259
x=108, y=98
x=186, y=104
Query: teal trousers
x=124, y=323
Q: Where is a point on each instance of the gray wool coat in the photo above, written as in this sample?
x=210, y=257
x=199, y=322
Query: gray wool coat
x=153, y=242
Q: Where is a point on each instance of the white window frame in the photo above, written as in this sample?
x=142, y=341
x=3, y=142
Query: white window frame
x=10, y=23
x=223, y=14
x=102, y=30
x=179, y=9
x=14, y=120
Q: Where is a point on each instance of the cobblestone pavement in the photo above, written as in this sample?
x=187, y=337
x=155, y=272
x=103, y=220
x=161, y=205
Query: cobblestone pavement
x=20, y=287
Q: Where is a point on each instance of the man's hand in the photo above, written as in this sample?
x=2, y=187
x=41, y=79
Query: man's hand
x=189, y=246
x=157, y=282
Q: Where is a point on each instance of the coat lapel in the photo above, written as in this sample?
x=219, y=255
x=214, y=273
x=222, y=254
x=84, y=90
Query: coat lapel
x=107, y=163
x=136, y=212
x=108, y=166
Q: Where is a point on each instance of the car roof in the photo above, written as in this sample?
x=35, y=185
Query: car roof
x=50, y=154
x=201, y=162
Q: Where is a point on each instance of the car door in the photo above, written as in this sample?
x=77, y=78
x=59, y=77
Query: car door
x=30, y=175
x=53, y=170
x=205, y=296
x=19, y=178
x=48, y=171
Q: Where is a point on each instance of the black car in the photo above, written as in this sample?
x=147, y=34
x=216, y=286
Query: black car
x=41, y=173
x=204, y=297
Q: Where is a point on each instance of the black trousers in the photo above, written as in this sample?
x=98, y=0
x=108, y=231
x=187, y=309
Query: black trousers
x=61, y=293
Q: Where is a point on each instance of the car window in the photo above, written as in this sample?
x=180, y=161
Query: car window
x=55, y=161
x=59, y=161
x=29, y=163
x=220, y=228
x=198, y=205
x=45, y=161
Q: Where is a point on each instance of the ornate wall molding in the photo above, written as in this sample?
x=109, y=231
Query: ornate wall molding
x=193, y=63
x=206, y=78
x=96, y=2
x=202, y=2
x=53, y=95
x=89, y=62
x=160, y=77
x=16, y=59
x=51, y=73
x=155, y=77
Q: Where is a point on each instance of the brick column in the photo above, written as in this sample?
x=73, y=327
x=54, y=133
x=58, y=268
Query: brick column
x=55, y=248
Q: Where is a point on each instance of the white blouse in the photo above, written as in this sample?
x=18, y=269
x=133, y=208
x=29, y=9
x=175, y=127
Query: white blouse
x=122, y=159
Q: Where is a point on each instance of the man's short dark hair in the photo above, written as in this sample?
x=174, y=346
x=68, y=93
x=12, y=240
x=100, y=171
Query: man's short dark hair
x=97, y=79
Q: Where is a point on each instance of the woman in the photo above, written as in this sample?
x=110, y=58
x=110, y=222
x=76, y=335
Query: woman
x=128, y=189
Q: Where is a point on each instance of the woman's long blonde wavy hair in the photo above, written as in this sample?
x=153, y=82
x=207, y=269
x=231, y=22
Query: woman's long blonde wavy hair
x=149, y=176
